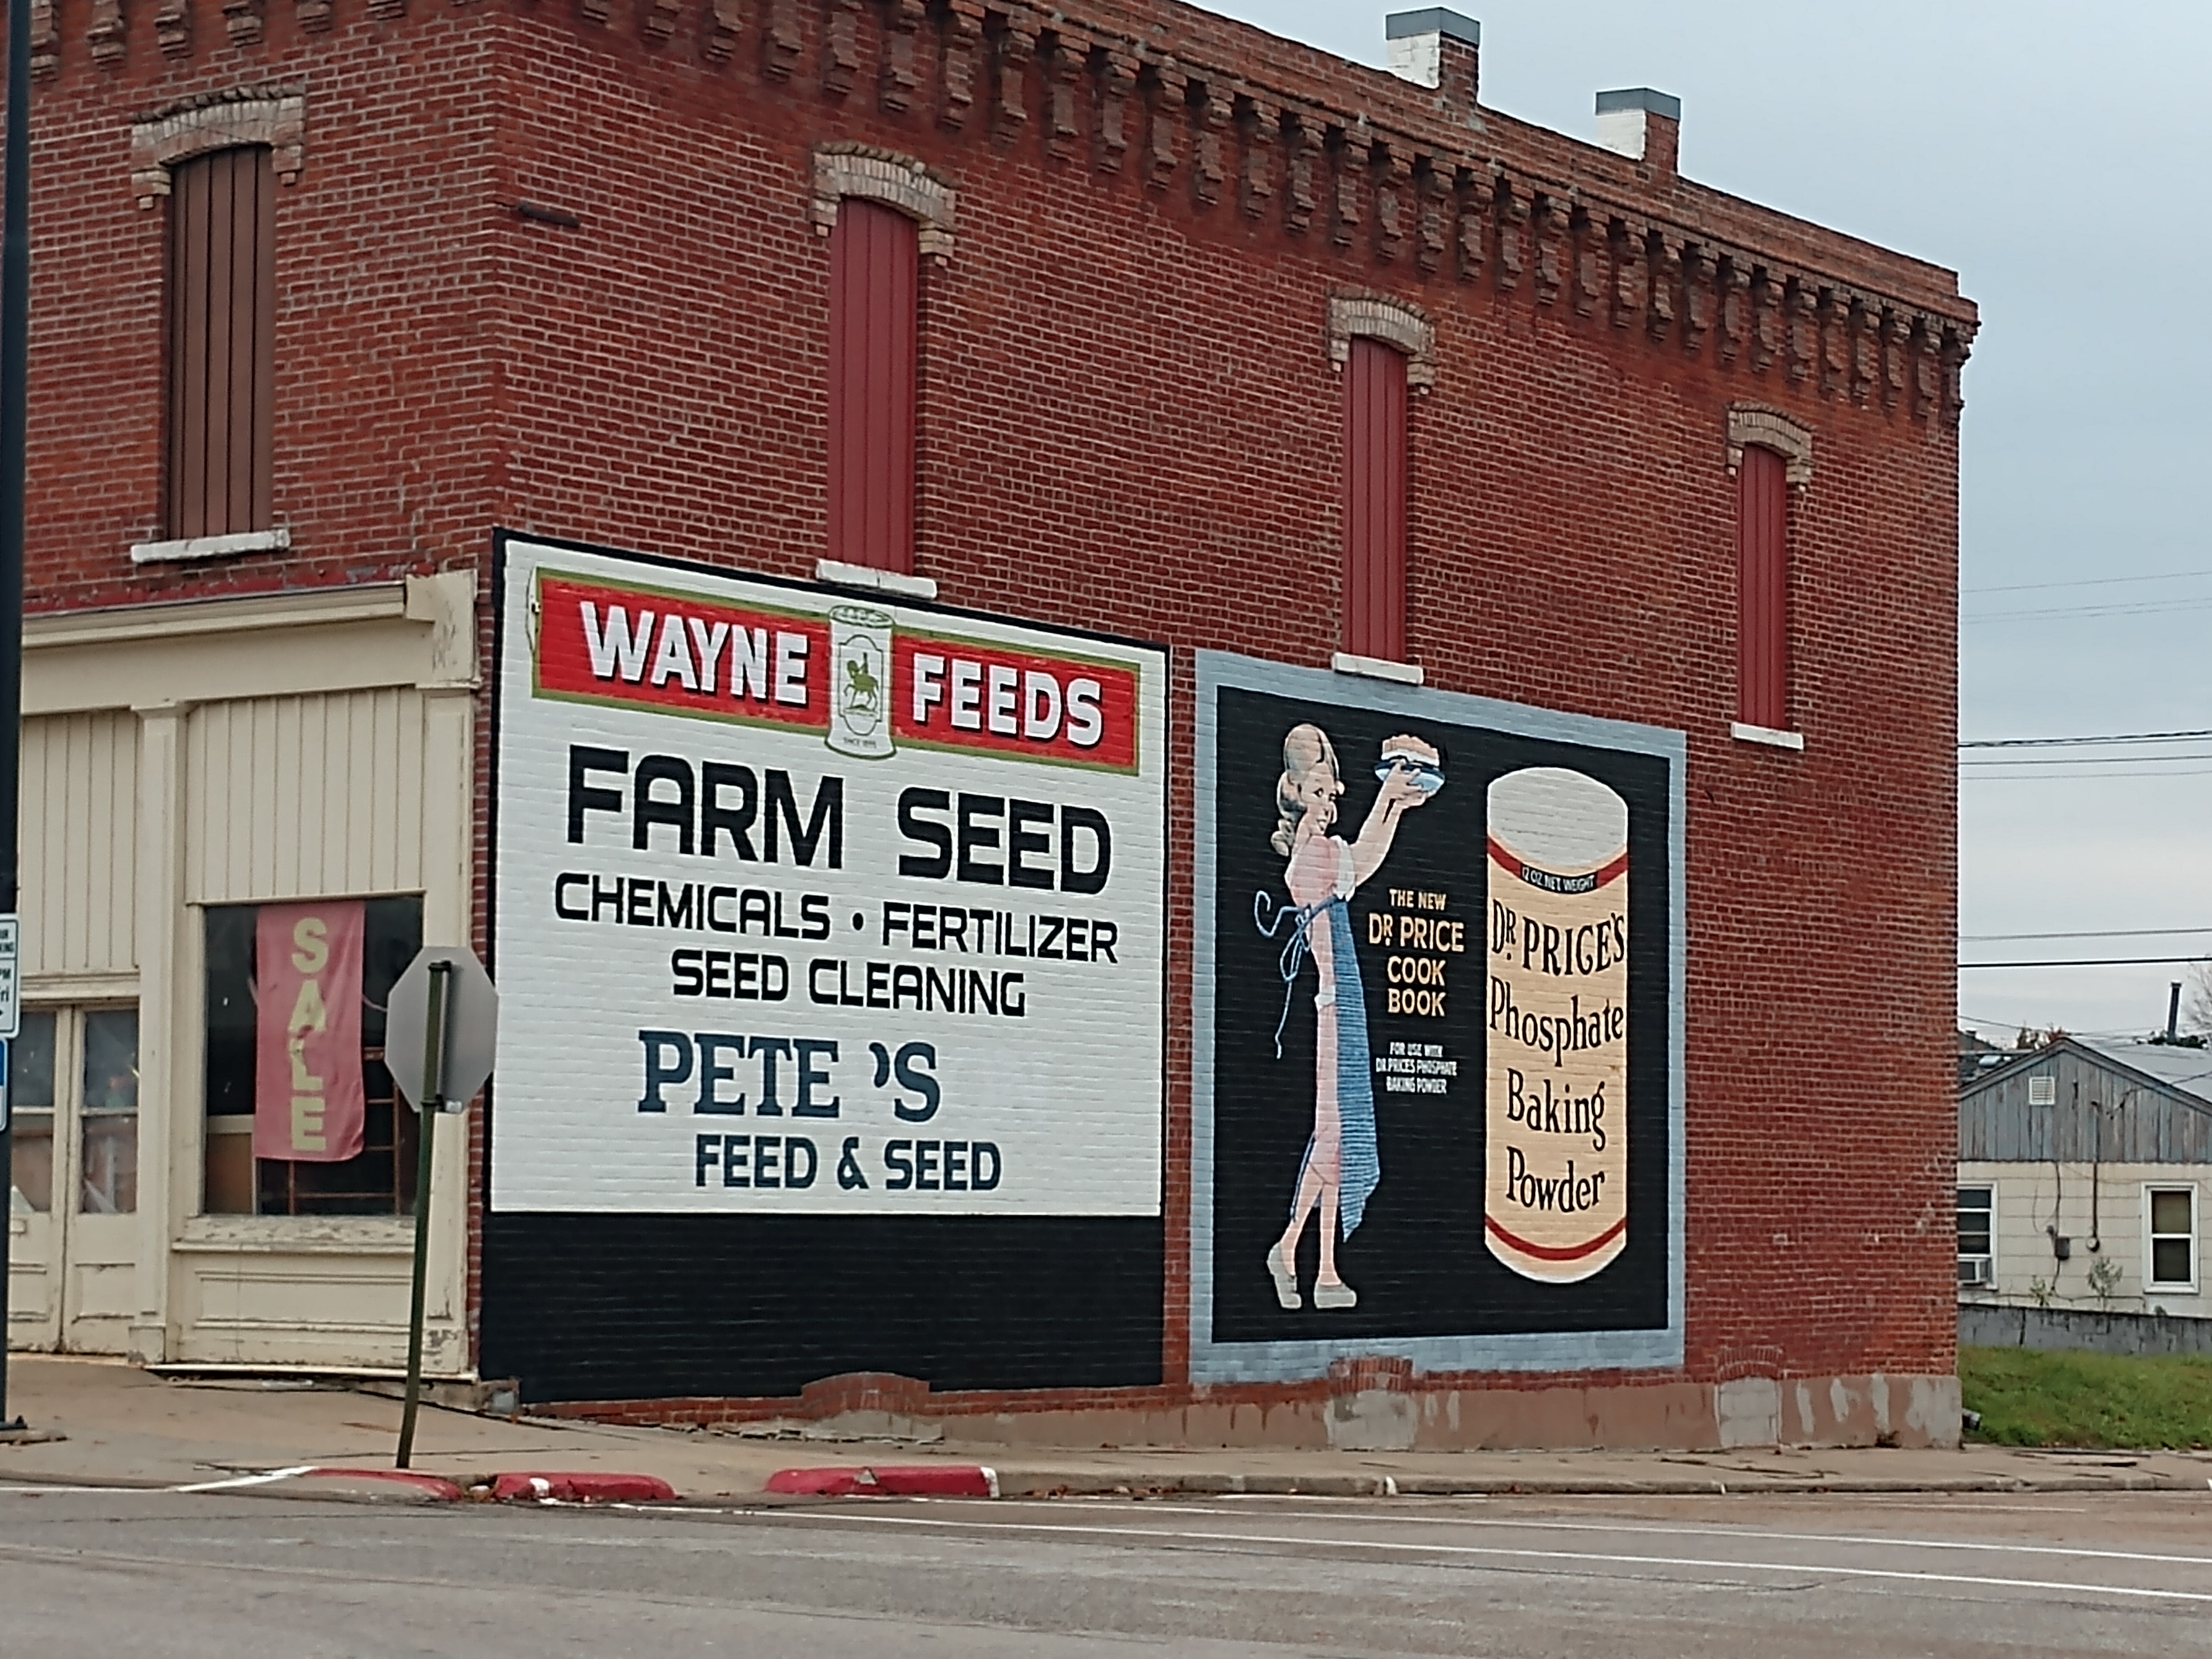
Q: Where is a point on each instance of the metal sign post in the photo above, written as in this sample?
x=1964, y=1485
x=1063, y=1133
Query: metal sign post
x=441, y=1029
x=434, y=1071
x=15, y=355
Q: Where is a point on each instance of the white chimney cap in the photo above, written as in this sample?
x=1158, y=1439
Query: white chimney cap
x=1624, y=115
x=1416, y=41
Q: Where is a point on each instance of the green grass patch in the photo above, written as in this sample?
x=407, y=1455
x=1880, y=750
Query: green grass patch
x=2090, y=1400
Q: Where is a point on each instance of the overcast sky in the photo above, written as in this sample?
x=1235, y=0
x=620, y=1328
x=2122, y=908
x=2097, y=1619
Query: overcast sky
x=2054, y=156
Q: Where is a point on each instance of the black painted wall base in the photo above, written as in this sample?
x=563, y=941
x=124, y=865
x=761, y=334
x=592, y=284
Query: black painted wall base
x=642, y=1307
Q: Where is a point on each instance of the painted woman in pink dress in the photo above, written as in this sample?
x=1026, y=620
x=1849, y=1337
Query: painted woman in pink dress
x=1340, y=1167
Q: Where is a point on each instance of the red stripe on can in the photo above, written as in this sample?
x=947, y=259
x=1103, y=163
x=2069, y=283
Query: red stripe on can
x=1507, y=860
x=1554, y=1253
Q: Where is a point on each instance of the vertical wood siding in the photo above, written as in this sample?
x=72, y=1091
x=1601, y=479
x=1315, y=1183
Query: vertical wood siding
x=79, y=839
x=2138, y=1123
x=222, y=343
x=1763, y=561
x=299, y=797
x=874, y=291
x=1375, y=487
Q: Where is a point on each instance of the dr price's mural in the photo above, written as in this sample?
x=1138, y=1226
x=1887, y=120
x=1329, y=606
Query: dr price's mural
x=1437, y=1103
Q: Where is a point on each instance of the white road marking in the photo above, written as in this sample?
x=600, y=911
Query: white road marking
x=1889, y=1501
x=1588, y=1556
x=267, y=1479
x=1536, y=1523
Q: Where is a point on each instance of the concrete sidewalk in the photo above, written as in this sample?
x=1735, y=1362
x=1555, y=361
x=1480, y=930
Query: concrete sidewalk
x=127, y=1427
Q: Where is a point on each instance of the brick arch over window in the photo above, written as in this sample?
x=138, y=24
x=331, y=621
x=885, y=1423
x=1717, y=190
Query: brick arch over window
x=1751, y=427
x=1378, y=317
x=897, y=181
x=277, y=121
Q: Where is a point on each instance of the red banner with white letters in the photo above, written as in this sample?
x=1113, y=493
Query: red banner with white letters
x=684, y=652
x=950, y=693
x=725, y=659
x=309, y=1105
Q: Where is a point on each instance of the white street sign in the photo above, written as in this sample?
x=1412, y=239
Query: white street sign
x=11, y=1001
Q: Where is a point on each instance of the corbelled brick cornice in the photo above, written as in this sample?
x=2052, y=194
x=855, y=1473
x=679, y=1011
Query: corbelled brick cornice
x=1376, y=172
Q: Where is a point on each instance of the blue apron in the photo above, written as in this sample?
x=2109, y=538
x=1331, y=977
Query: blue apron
x=1361, y=1168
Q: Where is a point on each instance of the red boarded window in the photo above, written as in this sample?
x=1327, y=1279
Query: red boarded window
x=1375, y=501
x=874, y=277
x=223, y=306
x=1762, y=589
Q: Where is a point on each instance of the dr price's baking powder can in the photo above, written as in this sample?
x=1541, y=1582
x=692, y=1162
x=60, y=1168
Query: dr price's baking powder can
x=1555, y=1193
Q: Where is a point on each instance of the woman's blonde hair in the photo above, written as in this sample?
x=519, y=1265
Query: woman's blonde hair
x=1304, y=748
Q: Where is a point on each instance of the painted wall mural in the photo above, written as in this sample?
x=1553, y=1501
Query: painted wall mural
x=831, y=938
x=1437, y=1093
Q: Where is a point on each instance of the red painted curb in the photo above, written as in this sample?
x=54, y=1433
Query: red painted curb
x=436, y=1485
x=582, y=1489
x=921, y=1481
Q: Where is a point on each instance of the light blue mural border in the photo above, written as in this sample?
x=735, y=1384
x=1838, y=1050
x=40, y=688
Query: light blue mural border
x=1287, y=1362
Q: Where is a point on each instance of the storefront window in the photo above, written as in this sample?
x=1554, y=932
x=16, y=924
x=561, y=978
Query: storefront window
x=379, y=1180
x=31, y=1090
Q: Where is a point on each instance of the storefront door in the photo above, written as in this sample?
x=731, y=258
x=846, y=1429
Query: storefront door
x=73, y=1227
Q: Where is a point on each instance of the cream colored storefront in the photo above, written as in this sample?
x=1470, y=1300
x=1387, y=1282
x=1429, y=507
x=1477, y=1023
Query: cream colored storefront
x=181, y=764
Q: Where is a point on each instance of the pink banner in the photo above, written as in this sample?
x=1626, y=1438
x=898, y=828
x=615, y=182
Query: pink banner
x=309, y=1106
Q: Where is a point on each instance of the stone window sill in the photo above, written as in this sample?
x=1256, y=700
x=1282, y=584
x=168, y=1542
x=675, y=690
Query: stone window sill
x=278, y=540
x=836, y=573
x=1378, y=668
x=1768, y=735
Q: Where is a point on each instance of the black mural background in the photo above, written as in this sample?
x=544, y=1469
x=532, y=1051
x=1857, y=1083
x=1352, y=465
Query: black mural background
x=1419, y=1260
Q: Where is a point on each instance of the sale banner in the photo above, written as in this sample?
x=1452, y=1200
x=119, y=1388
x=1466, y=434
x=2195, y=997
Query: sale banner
x=309, y=1105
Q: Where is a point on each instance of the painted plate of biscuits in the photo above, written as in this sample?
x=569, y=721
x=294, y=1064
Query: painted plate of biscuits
x=1409, y=753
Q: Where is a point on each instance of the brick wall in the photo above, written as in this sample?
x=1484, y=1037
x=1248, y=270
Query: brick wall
x=385, y=375
x=1128, y=422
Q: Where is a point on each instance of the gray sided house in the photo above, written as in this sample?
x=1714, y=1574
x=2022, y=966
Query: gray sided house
x=2084, y=1171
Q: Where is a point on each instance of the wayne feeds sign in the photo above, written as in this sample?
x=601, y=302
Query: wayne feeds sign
x=809, y=904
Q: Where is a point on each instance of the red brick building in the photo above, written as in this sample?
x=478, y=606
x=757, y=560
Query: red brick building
x=1116, y=318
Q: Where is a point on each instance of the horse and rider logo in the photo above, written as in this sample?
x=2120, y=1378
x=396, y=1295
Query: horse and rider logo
x=860, y=713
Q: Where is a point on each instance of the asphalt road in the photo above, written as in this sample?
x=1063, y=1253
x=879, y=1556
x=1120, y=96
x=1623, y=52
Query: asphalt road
x=240, y=1577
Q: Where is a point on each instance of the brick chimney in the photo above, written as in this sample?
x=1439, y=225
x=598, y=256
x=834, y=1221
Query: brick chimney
x=1437, y=48
x=1641, y=125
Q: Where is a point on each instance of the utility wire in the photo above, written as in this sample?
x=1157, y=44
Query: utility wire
x=2082, y=777
x=2089, y=760
x=2036, y=1024
x=2080, y=613
x=2094, y=933
x=2078, y=742
x=2087, y=962
x=2091, y=582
